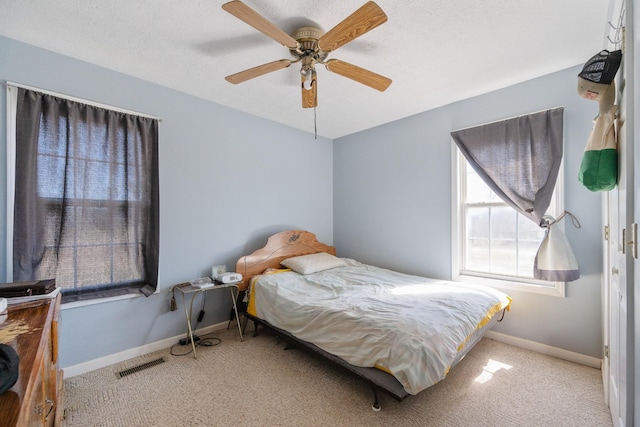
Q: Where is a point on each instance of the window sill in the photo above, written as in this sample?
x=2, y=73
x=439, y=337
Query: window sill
x=556, y=289
x=94, y=301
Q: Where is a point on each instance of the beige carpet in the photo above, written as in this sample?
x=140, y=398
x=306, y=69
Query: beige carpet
x=257, y=383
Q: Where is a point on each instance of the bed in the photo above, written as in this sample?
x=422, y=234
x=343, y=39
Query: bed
x=400, y=333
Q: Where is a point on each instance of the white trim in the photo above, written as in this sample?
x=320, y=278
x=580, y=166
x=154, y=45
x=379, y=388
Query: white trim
x=91, y=365
x=83, y=101
x=559, y=353
x=456, y=226
x=12, y=96
x=548, y=288
x=102, y=300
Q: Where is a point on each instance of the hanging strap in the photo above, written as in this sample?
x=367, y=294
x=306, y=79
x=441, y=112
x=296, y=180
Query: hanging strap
x=551, y=220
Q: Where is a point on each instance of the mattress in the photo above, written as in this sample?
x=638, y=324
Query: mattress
x=410, y=326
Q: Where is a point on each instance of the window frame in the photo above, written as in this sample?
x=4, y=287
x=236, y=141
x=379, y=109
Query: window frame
x=12, y=96
x=504, y=282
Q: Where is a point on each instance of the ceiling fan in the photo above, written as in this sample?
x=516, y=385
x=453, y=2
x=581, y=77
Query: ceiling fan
x=309, y=46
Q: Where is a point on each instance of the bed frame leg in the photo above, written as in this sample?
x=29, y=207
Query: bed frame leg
x=245, y=320
x=376, y=405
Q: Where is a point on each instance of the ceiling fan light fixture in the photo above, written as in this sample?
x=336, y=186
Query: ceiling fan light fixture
x=308, y=74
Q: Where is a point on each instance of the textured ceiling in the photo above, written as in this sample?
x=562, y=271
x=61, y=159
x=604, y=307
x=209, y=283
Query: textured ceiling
x=435, y=51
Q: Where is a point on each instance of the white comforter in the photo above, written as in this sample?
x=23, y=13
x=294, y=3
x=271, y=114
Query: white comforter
x=409, y=325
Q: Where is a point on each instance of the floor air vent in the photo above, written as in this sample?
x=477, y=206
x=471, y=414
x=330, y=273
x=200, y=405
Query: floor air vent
x=139, y=368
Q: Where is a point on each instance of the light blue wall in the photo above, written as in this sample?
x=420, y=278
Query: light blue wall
x=381, y=196
x=228, y=180
x=392, y=204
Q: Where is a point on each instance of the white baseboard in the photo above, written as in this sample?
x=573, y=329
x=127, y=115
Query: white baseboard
x=81, y=368
x=560, y=353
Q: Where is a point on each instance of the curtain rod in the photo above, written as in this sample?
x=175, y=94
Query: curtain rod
x=83, y=101
x=508, y=118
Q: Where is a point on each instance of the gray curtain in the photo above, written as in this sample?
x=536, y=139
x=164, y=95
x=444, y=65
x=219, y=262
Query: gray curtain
x=519, y=159
x=86, y=198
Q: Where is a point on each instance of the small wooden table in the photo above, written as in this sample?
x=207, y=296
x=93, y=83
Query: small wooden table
x=187, y=289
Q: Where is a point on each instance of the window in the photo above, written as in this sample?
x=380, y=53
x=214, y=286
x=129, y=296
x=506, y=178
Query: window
x=493, y=244
x=86, y=197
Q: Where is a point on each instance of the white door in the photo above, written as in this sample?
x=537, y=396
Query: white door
x=634, y=278
x=621, y=296
x=606, y=287
x=634, y=273
x=623, y=208
x=617, y=311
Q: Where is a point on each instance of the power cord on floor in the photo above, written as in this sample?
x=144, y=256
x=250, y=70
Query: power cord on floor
x=203, y=341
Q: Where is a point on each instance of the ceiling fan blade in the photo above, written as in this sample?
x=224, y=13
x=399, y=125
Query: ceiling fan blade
x=359, y=22
x=358, y=74
x=245, y=75
x=309, y=97
x=257, y=21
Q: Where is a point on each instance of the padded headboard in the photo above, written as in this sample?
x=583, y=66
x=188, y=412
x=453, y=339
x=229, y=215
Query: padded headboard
x=285, y=244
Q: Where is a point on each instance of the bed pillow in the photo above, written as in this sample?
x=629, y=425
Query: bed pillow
x=312, y=263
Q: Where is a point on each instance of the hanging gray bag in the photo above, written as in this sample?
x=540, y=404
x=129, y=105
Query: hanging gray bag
x=555, y=260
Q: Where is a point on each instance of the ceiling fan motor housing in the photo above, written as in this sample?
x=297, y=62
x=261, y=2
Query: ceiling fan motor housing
x=308, y=38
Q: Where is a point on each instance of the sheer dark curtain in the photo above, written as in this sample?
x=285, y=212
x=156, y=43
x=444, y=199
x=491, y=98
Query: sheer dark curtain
x=86, y=197
x=519, y=159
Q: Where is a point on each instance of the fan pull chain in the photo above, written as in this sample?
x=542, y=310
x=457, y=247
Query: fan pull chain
x=315, y=119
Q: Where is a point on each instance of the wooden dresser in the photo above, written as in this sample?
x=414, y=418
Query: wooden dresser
x=31, y=328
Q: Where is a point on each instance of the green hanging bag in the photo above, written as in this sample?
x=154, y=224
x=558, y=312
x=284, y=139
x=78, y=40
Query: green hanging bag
x=599, y=165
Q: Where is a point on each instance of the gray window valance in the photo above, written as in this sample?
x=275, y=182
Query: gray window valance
x=519, y=158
